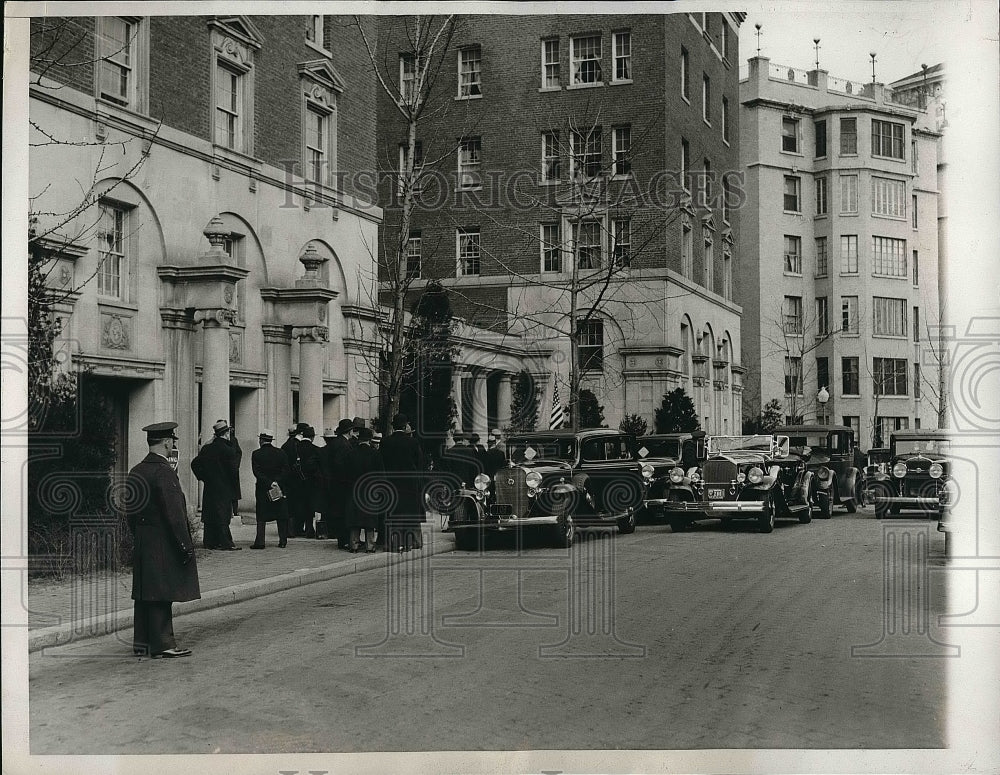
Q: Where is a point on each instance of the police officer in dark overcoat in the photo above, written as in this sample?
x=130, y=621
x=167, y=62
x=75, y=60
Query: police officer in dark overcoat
x=271, y=471
x=164, y=570
x=217, y=466
x=404, y=466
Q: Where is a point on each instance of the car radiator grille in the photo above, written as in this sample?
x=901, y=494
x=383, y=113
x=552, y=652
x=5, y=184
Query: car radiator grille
x=511, y=489
x=718, y=471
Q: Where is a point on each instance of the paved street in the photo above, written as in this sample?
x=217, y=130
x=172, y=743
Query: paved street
x=707, y=639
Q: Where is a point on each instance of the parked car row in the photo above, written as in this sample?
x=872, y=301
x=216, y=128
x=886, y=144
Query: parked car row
x=556, y=481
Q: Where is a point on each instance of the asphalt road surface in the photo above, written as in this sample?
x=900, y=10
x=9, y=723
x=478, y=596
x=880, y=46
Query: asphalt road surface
x=655, y=640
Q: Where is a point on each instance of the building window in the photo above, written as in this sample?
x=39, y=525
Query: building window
x=314, y=32
x=687, y=250
x=916, y=269
x=727, y=205
x=848, y=137
x=550, y=64
x=853, y=422
x=889, y=256
x=112, y=244
x=590, y=344
x=888, y=197
x=792, y=315
x=470, y=71
x=822, y=317
x=889, y=316
x=585, y=153
x=849, y=254
x=685, y=164
x=623, y=56
x=233, y=245
x=706, y=188
x=819, y=128
x=848, y=193
x=727, y=274
x=820, y=196
x=790, y=134
x=822, y=260
x=886, y=426
x=685, y=76
x=418, y=165
x=468, y=252
x=793, y=376
x=916, y=324
x=913, y=210
x=709, y=265
x=822, y=372
x=470, y=163
x=229, y=115
x=887, y=139
x=585, y=59
x=550, y=157
x=793, y=254
x=587, y=243
x=706, y=99
x=725, y=120
x=121, y=69
x=792, y=189
x=407, y=77
x=621, y=241
x=316, y=145
x=551, y=248
x=413, y=256
x=849, y=314
x=622, y=136
x=850, y=373
x=916, y=380
x=724, y=39
x=889, y=376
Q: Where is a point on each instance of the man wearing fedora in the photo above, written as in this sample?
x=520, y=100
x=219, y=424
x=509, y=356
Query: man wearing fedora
x=217, y=466
x=404, y=465
x=164, y=570
x=271, y=470
x=305, y=483
x=334, y=462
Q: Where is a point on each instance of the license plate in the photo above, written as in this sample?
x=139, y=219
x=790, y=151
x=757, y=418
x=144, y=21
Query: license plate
x=716, y=493
x=501, y=510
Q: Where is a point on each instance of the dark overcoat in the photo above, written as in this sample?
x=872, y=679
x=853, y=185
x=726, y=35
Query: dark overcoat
x=162, y=568
x=404, y=464
x=361, y=463
x=493, y=460
x=270, y=465
x=334, y=460
x=464, y=462
x=218, y=467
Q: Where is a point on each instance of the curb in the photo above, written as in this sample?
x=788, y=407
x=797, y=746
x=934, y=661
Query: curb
x=96, y=626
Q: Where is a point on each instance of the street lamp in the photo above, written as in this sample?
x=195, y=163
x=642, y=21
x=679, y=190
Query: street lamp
x=823, y=396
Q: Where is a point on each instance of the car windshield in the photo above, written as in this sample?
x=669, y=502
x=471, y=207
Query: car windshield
x=879, y=456
x=814, y=441
x=541, y=447
x=660, y=448
x=912, y=446
x=734, y=443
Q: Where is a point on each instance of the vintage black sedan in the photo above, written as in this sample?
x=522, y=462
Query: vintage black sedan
x=878, y=460
x=918, y=476
x=755, y=478
x=828, y=451
x=670, y=464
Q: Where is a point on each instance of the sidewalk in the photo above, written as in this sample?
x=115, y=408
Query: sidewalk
x=75, y=607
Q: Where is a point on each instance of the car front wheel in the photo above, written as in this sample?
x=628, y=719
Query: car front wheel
x=765, y=522
x=627, y=523
x=823, y=502
x=564, y=532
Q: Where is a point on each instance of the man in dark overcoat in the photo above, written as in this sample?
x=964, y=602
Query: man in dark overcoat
x=495, y=457
x=462, y=460
x=363, y=511
x=404, y=466
x=239, y=460
x=164, y=570
x=290, y=448
x=306, y=483
x=271, y=470
x=334, y=458
x=217, y=466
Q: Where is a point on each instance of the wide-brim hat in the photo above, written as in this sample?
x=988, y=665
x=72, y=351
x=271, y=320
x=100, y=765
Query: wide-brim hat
x=365, y=434
x=220, y=427
x=160, y=430
x=266, y=435
x=359, y=423
x=345, y=425
x=301, y=427
x=399, y=422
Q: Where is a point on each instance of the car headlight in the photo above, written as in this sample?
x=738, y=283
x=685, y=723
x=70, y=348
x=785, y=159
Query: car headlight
x=824, y=473
x=533, y=480
x=647, y=471
x=899, y=470
x=695, y=476
x=755, y=475
x=676, y=475
x=741, y=477
x=936, y=470
x=481, y=482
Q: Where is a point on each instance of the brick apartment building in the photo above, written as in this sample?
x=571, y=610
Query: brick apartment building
x=541, y=134
x=225, y=268
x=840, y=248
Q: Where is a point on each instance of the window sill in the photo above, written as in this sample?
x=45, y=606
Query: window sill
x=888, y=158
x=847, y=155
x=821, y=277
x=110, y=301
x=890, y=276
x=316, y=47
x=849, y=274
x=461, y=98
x=545, y=89
x=898, y=337
x=889, y=217
x=238, y=157
x=849, y=215
x=799, y=154
x=820, y=216
x=706, y=122
x=127, y=114
x=793, y=212
x=595, y=85
x=725, y=142
x=850, y=395
x=624, y=82
x=850, y=334
x=793, y=274
x=686, y=99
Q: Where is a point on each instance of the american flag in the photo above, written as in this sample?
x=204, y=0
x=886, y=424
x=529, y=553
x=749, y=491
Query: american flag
x=557, y=417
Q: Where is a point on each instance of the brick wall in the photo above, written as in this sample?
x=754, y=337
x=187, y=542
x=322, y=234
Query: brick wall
x=179, y=75
x=56, y=42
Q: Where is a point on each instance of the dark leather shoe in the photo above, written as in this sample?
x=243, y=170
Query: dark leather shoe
x=256, y=546
x=283, y=544
x=171, y=653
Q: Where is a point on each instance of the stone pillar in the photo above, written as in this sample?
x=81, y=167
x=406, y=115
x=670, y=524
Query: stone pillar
x=457, y=373
x=278, y=362
x=181, y=401
x=480, y=414
x=503, y=400
x=312, y=351
x=214, y=369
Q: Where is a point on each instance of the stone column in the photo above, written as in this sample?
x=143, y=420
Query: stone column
x=214, y=369
x=181, y=401
x=457, y=373
x=278, y=361
x=503, y=400
x=312, y=351
x=480, y=415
